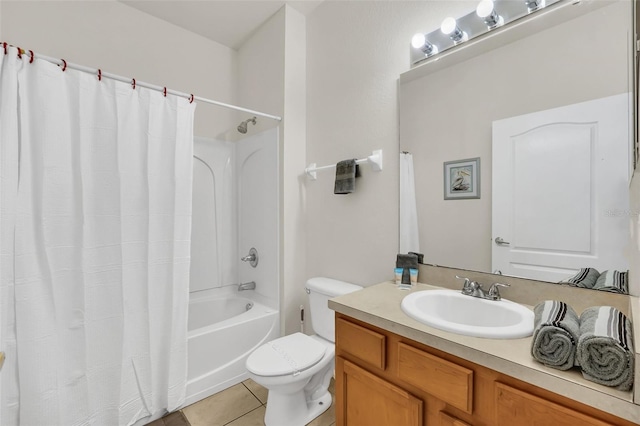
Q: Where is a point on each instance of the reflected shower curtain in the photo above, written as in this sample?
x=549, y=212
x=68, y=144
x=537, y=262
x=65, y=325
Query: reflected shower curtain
x=409, y=238
x=101, y=253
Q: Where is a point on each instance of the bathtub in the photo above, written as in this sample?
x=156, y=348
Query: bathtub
x=225, y=326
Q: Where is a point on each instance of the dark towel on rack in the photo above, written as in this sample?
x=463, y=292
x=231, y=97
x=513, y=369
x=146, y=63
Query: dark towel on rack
x=346, y=172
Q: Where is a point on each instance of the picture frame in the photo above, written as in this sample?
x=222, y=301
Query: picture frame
x=462, y=179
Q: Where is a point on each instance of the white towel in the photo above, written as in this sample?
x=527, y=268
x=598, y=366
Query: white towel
x=409, y=238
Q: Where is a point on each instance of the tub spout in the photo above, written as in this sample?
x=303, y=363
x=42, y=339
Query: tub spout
x=251, y=285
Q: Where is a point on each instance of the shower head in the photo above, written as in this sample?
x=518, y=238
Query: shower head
x=242, y=128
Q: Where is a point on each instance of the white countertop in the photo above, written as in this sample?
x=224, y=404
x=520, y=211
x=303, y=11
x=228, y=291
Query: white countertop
x=379, y=305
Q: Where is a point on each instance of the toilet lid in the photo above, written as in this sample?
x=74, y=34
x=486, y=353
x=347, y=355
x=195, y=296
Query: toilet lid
x=286, y=355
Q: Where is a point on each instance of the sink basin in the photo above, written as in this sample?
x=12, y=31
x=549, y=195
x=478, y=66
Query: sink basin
x=452, y=311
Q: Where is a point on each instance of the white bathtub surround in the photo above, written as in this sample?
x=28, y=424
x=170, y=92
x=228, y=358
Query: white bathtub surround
x=102, y=230
x=222, y=334
x=235, y=208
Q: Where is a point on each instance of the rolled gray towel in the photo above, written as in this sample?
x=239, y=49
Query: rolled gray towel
x=585, y=278
x=555, y=334
x=605, y=347
x=613, y=281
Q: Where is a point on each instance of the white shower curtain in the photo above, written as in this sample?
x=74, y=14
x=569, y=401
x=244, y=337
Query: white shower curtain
x=409, y=238
x=101, y=254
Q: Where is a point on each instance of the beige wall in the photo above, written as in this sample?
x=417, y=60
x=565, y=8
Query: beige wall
x=355, y=54
x=447, y=116
x=122, y=40
x=293, y=157
x=272, y=78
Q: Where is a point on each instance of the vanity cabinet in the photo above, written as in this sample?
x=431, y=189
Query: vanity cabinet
x=371, y=400
x=383, y=379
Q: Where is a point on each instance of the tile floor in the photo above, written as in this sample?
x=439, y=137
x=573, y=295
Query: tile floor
x=241, y=405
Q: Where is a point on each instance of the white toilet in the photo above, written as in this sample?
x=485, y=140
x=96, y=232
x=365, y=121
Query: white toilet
x=297, y=369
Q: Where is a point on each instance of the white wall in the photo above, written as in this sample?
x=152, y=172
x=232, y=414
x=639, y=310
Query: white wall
x=355, y=53
x=122, y=40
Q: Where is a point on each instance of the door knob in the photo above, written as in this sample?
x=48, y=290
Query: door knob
x=499, y=241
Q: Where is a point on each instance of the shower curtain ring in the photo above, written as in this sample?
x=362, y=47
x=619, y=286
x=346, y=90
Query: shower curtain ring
x=191, y=98
x=133, y=83
x=165, y=91
x=32, y=56
x=99, y=74
x=64, y=67
x=19, y=53
x=5, y=47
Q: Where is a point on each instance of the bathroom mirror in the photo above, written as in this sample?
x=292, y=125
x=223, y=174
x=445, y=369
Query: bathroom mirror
x=451, y=114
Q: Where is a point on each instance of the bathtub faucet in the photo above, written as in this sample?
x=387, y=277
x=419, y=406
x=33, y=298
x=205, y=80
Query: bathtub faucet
x=251, y=285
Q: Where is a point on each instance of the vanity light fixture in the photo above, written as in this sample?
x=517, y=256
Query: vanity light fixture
x=533, y=5
x=450, y=27
x=487, y=11
x=419, y=41
x=496, y=15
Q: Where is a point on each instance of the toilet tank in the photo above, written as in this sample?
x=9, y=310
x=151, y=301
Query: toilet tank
x=320, y=290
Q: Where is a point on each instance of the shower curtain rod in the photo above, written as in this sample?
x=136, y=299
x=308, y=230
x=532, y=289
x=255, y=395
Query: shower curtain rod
x=99, y=74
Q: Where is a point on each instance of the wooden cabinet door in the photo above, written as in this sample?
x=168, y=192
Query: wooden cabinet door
x=516, y=407
x=363, y=399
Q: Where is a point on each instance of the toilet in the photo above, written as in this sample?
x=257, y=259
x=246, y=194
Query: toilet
x=297, y=369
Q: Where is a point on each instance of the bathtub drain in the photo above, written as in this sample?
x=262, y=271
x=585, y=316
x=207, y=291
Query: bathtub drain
x=249, y=306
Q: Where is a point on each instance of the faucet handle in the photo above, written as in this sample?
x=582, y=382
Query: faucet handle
x=494, y=293
x=469, y=286
x=467, y=281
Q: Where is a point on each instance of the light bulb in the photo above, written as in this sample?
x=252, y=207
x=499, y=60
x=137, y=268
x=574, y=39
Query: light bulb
x=448, y=26
x=486, y=11
x=418, y=40
x=485, y=8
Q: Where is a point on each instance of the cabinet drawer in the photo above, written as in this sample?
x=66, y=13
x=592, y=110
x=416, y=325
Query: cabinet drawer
x=517, y=407
x=360, y=342
x=445, y=380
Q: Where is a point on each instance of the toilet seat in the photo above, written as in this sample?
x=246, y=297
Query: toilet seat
x=287, y=355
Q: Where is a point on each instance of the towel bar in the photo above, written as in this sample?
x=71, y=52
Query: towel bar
x=375, y=159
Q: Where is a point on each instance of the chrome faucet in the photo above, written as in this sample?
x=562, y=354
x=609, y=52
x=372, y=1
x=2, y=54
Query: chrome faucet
x=474, y=289
x=252, y=257
x=251, y=285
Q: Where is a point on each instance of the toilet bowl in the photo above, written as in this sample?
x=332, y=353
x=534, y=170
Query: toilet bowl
x=297, y=369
